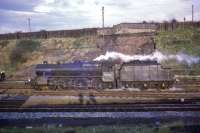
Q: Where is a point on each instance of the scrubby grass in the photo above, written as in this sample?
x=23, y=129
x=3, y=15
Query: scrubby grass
x=92, y=129
x=36, y=130
x=83, y=42
x=181, y=40
x=117, y=128
x=5, y=50
x=23, y=47
x=3, y=43
x=19, y=54
x=14, y=53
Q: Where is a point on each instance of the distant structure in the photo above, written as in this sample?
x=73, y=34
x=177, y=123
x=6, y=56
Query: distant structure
x=29, y=24
x=192, y=13
x=102, y=17
x=119, y=29
x=128, y=28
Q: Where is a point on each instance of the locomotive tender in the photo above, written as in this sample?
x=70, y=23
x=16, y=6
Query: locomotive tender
x=103, y=75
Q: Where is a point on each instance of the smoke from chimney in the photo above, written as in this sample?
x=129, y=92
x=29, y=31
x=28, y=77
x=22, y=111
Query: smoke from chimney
x=157, y=56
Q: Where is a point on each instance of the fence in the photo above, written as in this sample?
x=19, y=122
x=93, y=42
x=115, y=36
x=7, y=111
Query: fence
x=49, y=34
x=123, y=28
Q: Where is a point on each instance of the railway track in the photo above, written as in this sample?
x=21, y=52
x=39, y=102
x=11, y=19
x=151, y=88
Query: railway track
x=173, y=101
x=133, y=97
x=192, y=89
x=10, y=104
x=118, y=93
x=186, y=82
x=108, y=108
x=102, y=93
x=14, y=84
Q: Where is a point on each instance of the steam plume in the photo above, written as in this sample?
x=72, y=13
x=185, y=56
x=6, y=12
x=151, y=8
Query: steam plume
x=158, y=56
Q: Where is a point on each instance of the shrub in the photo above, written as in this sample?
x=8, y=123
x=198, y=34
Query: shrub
x=77, y=43
x=22, y=49
x=3, y=43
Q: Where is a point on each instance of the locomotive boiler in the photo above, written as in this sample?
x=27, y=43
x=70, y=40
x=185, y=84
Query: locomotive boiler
x=103, y=75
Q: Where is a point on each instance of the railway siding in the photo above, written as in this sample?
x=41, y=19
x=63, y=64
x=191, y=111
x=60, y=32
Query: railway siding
x=67, y=98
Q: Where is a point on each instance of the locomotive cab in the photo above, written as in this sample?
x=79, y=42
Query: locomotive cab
x=108, y=75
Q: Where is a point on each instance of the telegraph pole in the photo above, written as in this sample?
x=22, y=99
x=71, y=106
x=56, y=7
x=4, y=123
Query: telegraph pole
x=103, y=25
x=29, y=24
x=102, y=17
x=192, y=13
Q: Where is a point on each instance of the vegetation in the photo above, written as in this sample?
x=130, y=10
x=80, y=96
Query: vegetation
x=181, y=40
x=184, y=40
x=3, y=43
x=139, y=128
x=36, y=130
x=15, y=52
x=19, y=55
x=83, y=42
x=23, y=47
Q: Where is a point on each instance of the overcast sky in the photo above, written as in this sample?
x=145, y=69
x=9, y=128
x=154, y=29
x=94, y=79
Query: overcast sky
x=73, y=14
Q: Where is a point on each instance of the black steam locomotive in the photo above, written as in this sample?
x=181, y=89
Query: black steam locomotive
x=103, y=75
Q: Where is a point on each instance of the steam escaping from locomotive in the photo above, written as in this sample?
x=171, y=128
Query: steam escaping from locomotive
x=157, y=56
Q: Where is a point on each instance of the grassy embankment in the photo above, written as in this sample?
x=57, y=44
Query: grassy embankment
x=17, y=55
x=14, y=53
x=129, y=128
x=181, y=40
